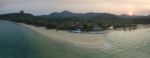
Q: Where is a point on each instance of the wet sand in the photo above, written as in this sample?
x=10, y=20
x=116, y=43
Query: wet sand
x=77, y=39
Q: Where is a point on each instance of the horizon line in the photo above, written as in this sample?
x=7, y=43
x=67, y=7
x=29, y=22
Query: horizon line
x=77, y=13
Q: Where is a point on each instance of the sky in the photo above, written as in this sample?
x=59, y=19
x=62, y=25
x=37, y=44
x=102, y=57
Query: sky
x=43, y=7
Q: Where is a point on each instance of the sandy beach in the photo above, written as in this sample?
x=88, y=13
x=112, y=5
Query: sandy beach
x=77, y=39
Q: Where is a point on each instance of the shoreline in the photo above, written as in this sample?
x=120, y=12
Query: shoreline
x=77, y=39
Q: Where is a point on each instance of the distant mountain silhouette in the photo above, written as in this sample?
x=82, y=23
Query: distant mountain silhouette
x=67, y=20
x=63, y=14
x=67, y=16
x=91, y=15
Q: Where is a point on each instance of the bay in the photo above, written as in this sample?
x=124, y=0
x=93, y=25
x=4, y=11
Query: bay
x=17, y=41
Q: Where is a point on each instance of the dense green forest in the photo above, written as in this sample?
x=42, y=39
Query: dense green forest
x=70, y=21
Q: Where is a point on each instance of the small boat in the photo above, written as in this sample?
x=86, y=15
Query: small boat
x=76, y=31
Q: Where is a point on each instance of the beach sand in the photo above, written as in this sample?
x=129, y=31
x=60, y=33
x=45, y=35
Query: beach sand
x=77, y=39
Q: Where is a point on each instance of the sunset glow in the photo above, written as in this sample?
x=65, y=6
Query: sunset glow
x=140, y=7
x=130, y=13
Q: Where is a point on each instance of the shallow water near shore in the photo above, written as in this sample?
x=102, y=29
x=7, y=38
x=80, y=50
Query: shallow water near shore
x=17, y=41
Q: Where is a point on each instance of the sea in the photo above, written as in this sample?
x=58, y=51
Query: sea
x=17, y=41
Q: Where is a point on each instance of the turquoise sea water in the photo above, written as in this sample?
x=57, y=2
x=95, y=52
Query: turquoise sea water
x=17, y=41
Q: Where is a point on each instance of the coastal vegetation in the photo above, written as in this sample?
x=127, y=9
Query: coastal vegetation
x=72, y=21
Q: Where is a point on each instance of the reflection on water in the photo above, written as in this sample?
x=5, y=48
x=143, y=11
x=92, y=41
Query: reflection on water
x=18, y=42
x=129, y=43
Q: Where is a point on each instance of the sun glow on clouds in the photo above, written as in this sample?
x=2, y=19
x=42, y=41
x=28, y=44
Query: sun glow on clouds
x=140, y=7
x=130, y=13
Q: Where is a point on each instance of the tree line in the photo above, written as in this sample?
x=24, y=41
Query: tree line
x=69, y=21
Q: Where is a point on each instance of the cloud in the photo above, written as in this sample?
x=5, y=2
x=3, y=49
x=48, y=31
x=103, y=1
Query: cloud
x=48, y=6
